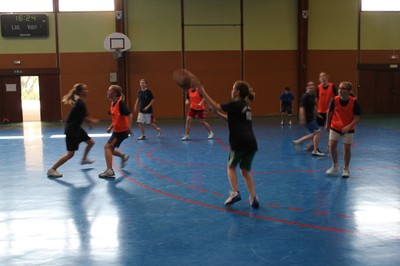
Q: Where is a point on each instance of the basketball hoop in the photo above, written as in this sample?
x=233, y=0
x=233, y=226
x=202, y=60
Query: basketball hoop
x=117, y=43
x=117, y=53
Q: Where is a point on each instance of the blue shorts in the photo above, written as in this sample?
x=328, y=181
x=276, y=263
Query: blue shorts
x=313, y=127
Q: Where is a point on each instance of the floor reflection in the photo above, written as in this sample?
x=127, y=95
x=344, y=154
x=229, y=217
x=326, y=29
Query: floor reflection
x=33, y=146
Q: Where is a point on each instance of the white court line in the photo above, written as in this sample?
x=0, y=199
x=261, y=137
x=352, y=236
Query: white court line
x=22, y=137
x=103, y=135
x=52, y=136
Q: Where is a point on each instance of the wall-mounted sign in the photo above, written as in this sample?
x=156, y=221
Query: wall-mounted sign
x=24, y=25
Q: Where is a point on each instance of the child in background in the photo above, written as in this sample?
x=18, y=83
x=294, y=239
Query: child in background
x=196, y=109
x=144, y=103
x=286, y=100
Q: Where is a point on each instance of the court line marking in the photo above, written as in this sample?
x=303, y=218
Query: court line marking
x=252, y=215
x=315, y=212
x=223, y=209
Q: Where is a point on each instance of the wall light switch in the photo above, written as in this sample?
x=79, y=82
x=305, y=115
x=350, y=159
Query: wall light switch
x=113, y=77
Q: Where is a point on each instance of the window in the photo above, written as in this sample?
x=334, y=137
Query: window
x=26, y=6
x=86, y=5
x=381, y=5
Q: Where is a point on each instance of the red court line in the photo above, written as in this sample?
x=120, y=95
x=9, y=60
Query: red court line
x=262, y=217
x=215, y=193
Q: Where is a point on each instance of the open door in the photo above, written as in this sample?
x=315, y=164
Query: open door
x=10, y=101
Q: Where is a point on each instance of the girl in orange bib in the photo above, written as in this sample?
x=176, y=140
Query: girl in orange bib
x=343, y=114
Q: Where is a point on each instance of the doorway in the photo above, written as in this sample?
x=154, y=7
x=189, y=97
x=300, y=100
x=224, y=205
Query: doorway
x=30, y=98
x=379, y=91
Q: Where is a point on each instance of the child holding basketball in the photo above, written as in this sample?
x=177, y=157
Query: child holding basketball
x=74, y=133
x=121, y=126
x=144, y=101
x=343, y=114
x=243, y=144
x=196, y=109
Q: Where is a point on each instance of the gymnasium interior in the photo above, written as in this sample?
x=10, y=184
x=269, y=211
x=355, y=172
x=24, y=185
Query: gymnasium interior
x=166, y=206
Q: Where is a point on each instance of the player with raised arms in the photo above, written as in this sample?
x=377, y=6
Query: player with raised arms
x=243, y=144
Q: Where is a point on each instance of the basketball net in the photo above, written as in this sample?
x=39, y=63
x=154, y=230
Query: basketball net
x=117, y=53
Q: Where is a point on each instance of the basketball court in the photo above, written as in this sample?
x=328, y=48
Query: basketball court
x=166, y=206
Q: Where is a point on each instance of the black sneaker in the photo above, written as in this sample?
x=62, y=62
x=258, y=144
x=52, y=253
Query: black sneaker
x=317, y=152
x=233, y=197
x=255, y=203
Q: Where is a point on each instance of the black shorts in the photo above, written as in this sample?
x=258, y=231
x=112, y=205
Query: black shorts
x=73, y=139
x=117, y=138
x=243, y=158
x=321, y=119
x=286, y=108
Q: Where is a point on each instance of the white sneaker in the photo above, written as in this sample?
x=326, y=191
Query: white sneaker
x=158, y=132
x=142, y=138
x=332, y=171
x=53, y=173
x=210, y=135
x=346, y=173
x=317, y=152
x=107, y=173
x=282, y=123
x=124, y=159
x=86, y=161
x=296, y=145
x=185, y=137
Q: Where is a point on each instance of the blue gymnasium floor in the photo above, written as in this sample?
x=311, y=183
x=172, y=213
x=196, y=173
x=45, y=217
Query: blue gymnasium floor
x=166, y=206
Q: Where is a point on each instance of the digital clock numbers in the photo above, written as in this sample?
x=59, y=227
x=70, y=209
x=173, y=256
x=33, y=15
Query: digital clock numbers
x=24, y=25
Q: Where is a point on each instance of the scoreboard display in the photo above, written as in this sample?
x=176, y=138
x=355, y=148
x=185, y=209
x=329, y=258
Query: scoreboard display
x=24, y=25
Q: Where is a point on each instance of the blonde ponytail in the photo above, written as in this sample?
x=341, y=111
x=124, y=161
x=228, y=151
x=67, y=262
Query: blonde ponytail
x=73, y=95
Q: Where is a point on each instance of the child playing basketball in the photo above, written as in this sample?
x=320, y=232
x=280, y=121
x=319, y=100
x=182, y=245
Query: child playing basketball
x=307, y=118
x=121, y=126
x=243, y=144
x=74, y=133
x=144, y=101
x=343, y=114
x=196, y=109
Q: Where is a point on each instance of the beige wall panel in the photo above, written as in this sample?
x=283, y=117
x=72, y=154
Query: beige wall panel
x=332, y=24
x=85, y=31
x=270, y=25
x=154, y=25
x=380, y=31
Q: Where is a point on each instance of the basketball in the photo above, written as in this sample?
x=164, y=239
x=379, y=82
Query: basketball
x=184, y=78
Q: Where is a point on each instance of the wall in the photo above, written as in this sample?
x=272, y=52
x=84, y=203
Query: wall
x=213, y=52
x=270, y=43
